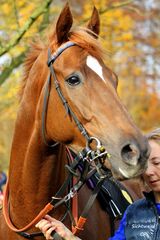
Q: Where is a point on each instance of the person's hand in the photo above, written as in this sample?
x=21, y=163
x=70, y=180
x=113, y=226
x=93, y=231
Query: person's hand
x=48, y=224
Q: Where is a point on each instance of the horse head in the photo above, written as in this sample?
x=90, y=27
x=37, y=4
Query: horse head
x=89, y=88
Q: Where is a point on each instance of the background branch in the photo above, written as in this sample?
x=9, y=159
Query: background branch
x=28, y=24
x=16, y=62
x=111, y=7
x=115, y=5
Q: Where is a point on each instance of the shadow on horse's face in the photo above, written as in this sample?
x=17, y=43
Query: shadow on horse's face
x=90, y=90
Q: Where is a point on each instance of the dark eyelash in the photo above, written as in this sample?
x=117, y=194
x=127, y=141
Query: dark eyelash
x=156, y=163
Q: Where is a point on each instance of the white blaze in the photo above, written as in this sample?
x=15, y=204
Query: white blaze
x=95, y=66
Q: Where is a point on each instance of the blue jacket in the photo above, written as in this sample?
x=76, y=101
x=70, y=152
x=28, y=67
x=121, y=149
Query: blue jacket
x=3, y=179
x=141, y=221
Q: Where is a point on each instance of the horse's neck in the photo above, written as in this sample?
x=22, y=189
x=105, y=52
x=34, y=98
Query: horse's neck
x=36, y=172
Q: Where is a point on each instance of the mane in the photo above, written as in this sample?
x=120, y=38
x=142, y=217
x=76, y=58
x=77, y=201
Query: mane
x=86, y=39
x=35, y=49
x=81, y=36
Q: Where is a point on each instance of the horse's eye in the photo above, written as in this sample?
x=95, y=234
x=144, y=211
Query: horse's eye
x=73, y=80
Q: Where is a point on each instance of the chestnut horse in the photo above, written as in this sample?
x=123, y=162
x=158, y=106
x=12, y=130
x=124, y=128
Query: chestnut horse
x=87, y=88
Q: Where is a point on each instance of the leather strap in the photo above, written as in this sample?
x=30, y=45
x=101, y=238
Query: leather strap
x=48, y=207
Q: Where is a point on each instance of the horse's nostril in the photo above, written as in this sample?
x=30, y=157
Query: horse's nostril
x=130, y=154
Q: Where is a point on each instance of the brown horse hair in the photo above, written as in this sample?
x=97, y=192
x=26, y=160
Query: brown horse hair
x=35, y=48
x=84, y=38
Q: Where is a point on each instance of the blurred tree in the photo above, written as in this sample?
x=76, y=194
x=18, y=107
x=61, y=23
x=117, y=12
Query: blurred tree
x=139, y=66
x=19, y=19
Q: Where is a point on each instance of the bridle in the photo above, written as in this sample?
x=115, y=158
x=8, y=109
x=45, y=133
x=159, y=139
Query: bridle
x=51, y=60
x=92, y=160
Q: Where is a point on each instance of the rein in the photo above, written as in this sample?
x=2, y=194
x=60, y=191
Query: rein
x=57, y=200
x=92, y=160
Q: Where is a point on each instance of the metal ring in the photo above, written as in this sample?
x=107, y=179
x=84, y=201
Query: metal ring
x=91, y=139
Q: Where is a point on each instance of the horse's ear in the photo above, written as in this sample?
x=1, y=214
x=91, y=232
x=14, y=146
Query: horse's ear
x=64, y=24
x=94, y=23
